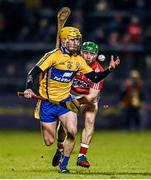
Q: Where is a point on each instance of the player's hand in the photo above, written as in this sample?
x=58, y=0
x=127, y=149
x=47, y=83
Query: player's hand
x=73, y=105
x=114, y=63
x=28, y=93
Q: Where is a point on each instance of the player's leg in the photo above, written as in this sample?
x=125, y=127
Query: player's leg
x=69, y=121
x=48, y=130
x=45, y=112
x=87, y=132
x=61, y=134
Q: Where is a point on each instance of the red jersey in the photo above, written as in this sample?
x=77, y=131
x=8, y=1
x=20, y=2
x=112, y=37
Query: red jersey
x=81, y=84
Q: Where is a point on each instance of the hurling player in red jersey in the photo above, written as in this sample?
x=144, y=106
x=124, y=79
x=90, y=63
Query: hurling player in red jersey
x=88, y=94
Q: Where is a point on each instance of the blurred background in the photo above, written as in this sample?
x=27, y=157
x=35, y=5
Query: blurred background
x=119, y=27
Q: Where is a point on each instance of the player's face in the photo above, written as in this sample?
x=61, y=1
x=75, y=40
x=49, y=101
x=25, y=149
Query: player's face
x=73, y=44
x=89, y=57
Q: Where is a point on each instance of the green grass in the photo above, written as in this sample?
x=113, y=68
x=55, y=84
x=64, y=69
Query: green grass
x=112, y=155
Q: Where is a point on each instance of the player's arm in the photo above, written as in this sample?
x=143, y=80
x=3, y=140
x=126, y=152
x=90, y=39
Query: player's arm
x=46, y=61
x=33, y=73
x=91, y=97
x=97, y=77
x=74, y=105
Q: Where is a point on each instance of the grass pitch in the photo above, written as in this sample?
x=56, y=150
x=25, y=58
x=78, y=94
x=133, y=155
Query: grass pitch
x=111, y=154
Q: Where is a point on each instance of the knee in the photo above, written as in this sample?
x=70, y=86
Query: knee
x=49, y=140
x=71, y=133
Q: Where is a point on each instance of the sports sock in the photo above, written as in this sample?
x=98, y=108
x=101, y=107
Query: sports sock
x=64, y=161
x=60, y=146
x=83, y=149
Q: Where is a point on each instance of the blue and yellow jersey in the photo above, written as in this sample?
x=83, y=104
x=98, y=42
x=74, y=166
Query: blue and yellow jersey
x=58, y=72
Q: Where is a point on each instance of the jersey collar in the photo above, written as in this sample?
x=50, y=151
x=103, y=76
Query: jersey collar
x=64, y=50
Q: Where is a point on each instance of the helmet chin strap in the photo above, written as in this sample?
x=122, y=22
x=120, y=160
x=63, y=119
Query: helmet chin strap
x=65, y=50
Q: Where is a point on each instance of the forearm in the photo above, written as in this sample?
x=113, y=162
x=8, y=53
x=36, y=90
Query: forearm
x=97, y=77
x=33, y=73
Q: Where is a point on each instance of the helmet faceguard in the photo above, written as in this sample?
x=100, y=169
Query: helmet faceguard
x=67, y=34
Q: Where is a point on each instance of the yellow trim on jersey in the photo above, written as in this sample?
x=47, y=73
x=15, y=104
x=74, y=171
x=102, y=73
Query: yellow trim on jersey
x=37, y=110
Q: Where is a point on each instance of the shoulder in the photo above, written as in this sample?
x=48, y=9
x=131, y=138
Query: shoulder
x=100, y=64
x=51, y=54
x=54, y=51
x=80, y=58
x=97, y=66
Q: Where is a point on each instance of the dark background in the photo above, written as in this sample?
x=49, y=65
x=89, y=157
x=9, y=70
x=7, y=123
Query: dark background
x=28, y=30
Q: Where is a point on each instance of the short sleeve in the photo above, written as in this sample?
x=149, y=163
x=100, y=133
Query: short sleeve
x=46, y=61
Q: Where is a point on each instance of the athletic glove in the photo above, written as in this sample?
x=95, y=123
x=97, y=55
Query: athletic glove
x=73, y=105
